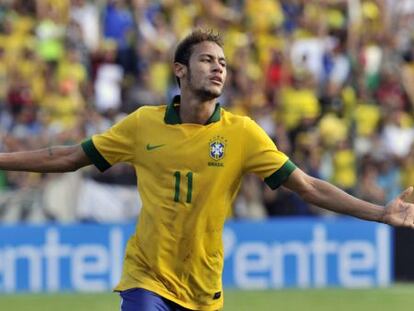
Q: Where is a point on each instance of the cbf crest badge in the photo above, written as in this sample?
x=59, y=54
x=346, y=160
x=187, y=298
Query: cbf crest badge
x=217, y=148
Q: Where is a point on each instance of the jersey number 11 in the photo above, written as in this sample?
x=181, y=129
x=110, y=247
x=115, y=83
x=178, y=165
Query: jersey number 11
x=189, y=176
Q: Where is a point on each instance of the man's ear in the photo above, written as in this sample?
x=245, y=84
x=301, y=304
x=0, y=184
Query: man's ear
x=180, y=70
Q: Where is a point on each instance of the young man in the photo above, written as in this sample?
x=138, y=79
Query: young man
x=190, y=157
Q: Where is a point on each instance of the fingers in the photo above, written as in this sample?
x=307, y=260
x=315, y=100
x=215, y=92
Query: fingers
x=409, y=215
x=405, y=209
x=406, y=193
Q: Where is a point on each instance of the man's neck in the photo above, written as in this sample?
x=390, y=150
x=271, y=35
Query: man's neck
x=193, y=110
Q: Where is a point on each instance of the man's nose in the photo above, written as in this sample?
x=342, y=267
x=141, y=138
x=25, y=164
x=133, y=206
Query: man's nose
x=218, y=67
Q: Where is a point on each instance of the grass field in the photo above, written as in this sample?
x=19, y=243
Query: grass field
x=396, y=298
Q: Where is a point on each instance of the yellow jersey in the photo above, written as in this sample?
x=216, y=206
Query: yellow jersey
x=188, y=175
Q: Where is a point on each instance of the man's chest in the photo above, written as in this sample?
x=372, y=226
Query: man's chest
x=195, y=149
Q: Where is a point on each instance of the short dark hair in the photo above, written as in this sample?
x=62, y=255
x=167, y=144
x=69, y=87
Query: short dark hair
x=184, y=48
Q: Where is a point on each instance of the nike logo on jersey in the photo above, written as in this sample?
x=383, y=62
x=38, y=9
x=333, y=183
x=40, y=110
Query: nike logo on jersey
x=152, y=147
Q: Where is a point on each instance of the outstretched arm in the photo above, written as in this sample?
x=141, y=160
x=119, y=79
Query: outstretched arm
x=48, y=160
x=325, y=195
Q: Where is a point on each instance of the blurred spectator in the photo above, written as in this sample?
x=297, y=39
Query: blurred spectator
x=63, y=107
x=19, y=95
x=407, y=169
x=108, y=80
x=86, y=15
x=344, y=173
x=141, y=92
x=118, y=25
x=249, y=204
x=368, y=186
x=50, y=33
x=298, y=103
x=398, y=133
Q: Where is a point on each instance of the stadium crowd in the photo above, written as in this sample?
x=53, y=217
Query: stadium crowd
x=332, y=81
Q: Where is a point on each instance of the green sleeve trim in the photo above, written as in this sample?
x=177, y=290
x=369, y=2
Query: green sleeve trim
x=93, y=154
x=278, y=177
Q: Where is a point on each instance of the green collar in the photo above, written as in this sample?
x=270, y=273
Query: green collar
x=172, y=116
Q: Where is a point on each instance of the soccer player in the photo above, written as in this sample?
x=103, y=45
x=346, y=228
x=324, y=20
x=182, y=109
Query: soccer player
x=190, y=157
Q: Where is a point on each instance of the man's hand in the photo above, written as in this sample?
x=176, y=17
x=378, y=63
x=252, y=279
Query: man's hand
x=398, y=212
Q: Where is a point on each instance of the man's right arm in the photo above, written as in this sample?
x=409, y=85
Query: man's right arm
x=48, y=160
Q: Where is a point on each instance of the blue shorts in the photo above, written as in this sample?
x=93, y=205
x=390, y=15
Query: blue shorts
x=139, y=299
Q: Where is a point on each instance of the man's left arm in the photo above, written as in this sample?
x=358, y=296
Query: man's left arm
x=398, y=212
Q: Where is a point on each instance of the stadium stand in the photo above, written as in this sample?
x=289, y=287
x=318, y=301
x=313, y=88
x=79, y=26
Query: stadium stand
x=330, y=81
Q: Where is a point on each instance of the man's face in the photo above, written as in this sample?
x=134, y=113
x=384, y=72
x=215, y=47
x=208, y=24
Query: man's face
x=206, y=72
